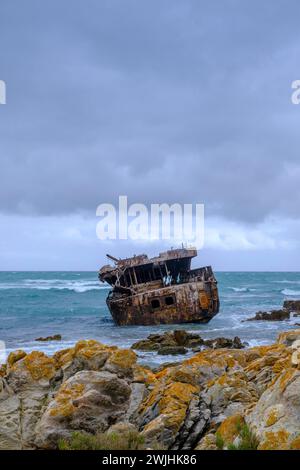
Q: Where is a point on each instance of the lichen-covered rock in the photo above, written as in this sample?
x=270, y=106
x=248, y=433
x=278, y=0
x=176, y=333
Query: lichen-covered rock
x=229, y=428
x=164, y=411
x=121, y=362
x=93, y=387
x=89, y=401
x=23, y=394
x=288, y=337
x=208, y=442
x=276, y=417
x=15, y=356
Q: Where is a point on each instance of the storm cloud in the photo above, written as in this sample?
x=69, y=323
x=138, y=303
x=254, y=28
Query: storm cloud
x=164, y=101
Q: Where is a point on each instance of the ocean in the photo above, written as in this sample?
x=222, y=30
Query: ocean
x=72, y=304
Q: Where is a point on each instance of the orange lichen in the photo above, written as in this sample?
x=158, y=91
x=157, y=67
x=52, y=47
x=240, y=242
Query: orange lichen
x=295, y=444
x=281, y=364
x=39, y=365
x=272, y=417
x=183, y=374
x=229, y=428
x=175, y=395
x=143, y=375
x=275, y=441
x=3, y=370
x=173, y=402
x=123, y=358
x=64, y=405
x=63, y=356
x=15, y=356
x=285, y=379
x=288, y=337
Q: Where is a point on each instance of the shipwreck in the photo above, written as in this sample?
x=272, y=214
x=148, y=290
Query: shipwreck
x=160, y=290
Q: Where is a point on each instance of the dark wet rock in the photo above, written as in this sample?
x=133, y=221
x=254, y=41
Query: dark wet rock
x=292, y=305
x=181, y=337
x=178, y=341
x=274, y=315
x=228, y=343
x=49, y=338
x=173, y=340
x=165, y=350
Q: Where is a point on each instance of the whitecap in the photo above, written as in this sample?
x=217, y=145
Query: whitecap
x=239, y=289
x=291, y=292
x=56, y=284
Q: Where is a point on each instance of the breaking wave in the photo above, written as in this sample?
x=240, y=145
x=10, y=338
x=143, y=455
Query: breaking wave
x=242, y=289
x=291, y=292
x=55, y=284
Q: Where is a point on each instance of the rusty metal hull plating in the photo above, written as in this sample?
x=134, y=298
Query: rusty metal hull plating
x=193, y=302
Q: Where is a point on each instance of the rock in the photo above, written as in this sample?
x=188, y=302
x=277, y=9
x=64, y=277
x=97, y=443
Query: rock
x=235, y=343
x=288, y=337
x=295, y=359
x=274, y=315
x=292, y=305
x=15, y=356
x=276, y=417
x=89, y=401
x=177, y=341
x=229, y=428
x=49, y=338
x=208, y=442
x=121, y=362
x=163, y=412
x=181, y=337
x=165, y=350
x=94, y=388
x=23, y=394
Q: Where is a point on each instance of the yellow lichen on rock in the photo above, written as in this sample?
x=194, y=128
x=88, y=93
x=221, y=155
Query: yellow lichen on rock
x=295, y=444
x=184, y=374
x=175, y=396
x=272, y=417
x=88, y=348
x=123, y=358
x=275, y=441
x=172, y=402
x=63, y=357
x=64, y=405
x=15, y=356
x=39, y=365
x=3, y=370
x=285, y=379
x=230, y=427
x=144, y=375
x=288, y=337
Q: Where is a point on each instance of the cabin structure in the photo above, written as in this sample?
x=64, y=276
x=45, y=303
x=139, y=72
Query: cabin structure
x=160, y=290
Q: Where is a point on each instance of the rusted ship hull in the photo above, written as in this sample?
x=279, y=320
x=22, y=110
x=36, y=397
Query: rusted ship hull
x=191, y=303
x=160, y=290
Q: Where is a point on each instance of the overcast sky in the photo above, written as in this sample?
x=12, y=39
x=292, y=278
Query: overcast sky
x=162, y=100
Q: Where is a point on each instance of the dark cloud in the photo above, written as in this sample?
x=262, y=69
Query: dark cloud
x=164, y=101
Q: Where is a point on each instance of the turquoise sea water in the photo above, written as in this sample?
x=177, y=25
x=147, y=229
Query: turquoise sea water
x=72, y=304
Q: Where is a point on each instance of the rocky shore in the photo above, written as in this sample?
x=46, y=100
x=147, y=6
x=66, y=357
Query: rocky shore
x=213, y=400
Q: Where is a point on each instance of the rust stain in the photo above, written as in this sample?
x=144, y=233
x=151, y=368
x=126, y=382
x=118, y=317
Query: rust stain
x=160, y=290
